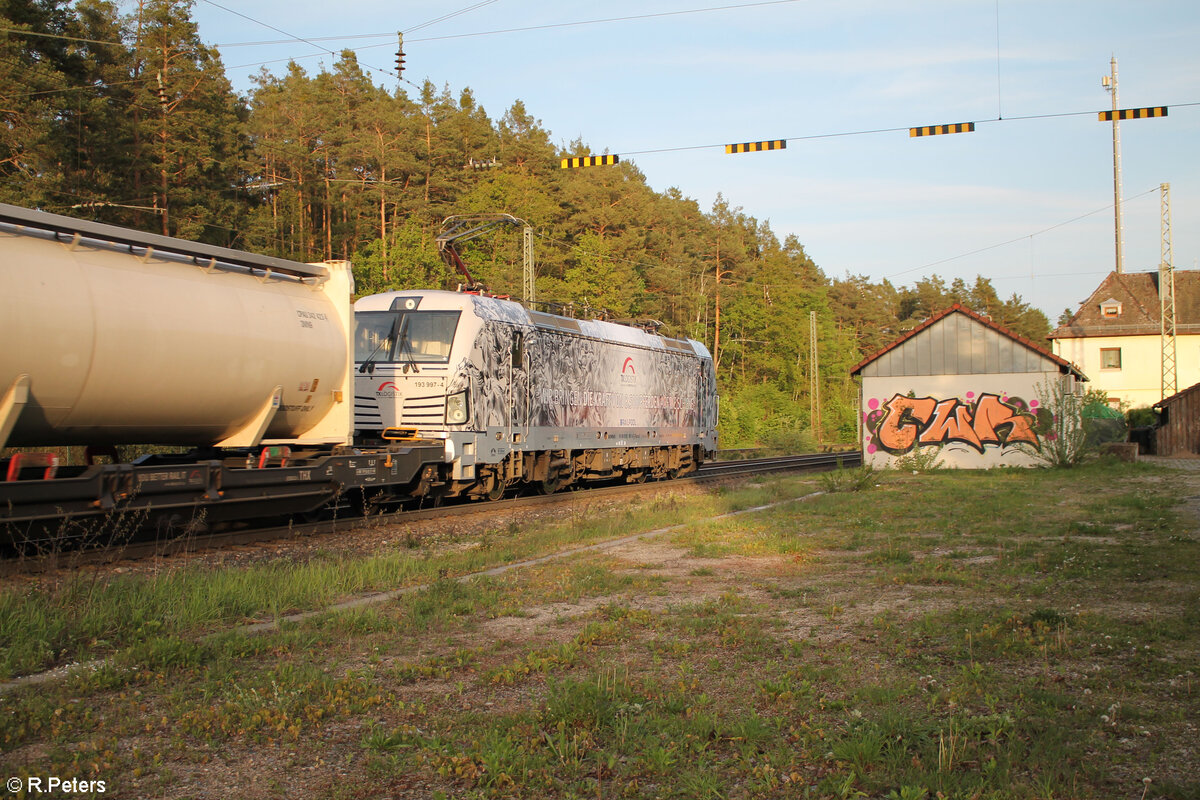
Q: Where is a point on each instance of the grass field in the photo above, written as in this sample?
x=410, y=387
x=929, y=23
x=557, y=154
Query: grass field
x=1008, y=634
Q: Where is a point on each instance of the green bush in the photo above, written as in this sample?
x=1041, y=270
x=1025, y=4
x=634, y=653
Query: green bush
x=1144, y=417
x=759, y=415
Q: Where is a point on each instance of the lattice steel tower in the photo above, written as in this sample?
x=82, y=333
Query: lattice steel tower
x=530, y=282
x=1166, y=295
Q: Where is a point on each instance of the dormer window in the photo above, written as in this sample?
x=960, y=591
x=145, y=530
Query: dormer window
x=1110, y=308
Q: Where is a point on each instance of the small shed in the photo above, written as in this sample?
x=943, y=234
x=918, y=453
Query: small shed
x=961, y=389
x=1178, y=431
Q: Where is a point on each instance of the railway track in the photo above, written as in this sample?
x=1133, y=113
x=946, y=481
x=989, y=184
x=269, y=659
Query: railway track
x=133, y=550
x=813, y=462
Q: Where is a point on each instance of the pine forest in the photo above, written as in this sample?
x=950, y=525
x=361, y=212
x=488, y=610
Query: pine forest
x=122, y=115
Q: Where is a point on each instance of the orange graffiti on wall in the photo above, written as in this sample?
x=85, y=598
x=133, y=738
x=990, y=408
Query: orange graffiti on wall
x=910, y=421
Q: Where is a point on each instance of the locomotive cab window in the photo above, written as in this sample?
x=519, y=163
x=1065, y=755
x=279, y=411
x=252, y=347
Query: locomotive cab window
x=424, y=337
x=372, y=332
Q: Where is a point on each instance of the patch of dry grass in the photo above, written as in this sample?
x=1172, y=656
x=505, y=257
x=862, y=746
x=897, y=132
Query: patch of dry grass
x=991, y=635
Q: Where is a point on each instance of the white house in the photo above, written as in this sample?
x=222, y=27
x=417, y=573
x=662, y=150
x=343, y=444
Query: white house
x=961, y=386
x=1115, y=336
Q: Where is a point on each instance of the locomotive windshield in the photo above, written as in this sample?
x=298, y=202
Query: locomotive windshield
x=409, y=336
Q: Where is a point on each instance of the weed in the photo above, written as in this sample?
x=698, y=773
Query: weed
x=908, y=793
x=892, y=553
x=383, y=741
x=861, y=750
x=708, y=550
x=849, y=480
x=920, y=459
x=1037, y=660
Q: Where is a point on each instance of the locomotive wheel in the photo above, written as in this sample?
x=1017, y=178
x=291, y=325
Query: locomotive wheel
x=495, y=489
x=550, y=485
x=638, y=477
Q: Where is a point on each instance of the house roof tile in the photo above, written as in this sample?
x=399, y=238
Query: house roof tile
x=1137, y=292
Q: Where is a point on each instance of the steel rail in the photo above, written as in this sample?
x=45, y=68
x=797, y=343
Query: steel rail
x=185, y=543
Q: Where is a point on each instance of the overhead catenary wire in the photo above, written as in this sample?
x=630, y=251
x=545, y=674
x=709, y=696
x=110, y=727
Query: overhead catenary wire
x=284, y=244
x=449, y=16
x=999, y=95
x=323, y=50
x=525, y=29
x=871, y=131
x=809, y=137
x=426, y=24
x=662, y=264
x=1016, y=239
x=646, y=151
x=291, y=36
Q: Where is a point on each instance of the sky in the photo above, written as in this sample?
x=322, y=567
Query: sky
x=1026, y=200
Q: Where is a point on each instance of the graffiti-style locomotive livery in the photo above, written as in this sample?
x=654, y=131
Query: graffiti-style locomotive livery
x=525, y=397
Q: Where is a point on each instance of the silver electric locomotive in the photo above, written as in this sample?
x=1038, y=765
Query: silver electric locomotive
x=524, y=397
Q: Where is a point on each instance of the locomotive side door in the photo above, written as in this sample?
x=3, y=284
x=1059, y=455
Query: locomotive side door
x=518, y=389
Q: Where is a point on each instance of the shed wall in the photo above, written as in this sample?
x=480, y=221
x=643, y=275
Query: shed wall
x=975, y=421
x=1180, y=434
x=958, y=345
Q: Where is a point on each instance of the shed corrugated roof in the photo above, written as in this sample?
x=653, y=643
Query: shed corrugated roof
x=958, y=308
x=1137, y=292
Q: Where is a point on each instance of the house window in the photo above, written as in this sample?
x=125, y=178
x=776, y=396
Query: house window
x=1110, y=358
x=1110, y=308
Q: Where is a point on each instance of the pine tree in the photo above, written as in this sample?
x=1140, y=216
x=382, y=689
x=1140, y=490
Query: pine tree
x=34, y=79
x=95, y=132
x=188, y=125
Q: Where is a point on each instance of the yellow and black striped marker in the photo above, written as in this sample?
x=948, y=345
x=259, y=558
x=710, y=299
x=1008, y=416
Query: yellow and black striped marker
x=937, y=130
x=755, y=147
x=1134, y=113
x=590, y=161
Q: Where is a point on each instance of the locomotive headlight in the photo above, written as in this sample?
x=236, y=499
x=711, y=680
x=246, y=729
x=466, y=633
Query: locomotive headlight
x=456, y=409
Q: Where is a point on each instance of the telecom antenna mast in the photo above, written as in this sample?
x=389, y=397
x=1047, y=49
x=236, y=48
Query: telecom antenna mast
x=1166, y=295
x=1109, y=82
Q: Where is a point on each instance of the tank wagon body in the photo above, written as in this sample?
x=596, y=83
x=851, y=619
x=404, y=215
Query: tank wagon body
x=116, y=337
x=167, y=342
x=521, y=396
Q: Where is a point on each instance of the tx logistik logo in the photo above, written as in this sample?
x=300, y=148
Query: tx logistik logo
x=54, y=785
x=387, y=389
x=628, y=372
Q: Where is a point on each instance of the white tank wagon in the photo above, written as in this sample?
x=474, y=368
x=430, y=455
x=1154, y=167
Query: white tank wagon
x=113, y=336
x=520, y=396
